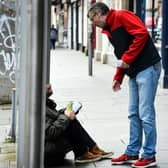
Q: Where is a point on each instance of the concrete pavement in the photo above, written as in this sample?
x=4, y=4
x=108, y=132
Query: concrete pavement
x=5, y=112
x=104, y=113
x=7, y=150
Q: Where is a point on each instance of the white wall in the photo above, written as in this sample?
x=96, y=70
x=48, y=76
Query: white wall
x=80, y=24
x=69, y=28
x=53, y=16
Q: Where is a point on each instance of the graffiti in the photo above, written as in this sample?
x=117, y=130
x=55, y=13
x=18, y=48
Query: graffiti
x=7, y=47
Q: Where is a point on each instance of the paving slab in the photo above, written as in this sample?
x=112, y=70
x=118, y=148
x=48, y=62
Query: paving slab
x=104, y=113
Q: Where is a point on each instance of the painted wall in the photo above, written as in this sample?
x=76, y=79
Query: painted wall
x=7, y=49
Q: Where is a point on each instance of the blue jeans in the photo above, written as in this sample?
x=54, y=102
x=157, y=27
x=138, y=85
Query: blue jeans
x=142, y=91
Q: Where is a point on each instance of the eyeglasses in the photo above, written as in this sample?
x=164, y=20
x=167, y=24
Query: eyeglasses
x=92, y=17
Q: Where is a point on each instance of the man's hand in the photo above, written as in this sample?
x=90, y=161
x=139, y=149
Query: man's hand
x=49, y=90
x=116, y=86
x=70, y=114
x=122, y=64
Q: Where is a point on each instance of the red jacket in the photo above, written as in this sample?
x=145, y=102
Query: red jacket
x=133, y=26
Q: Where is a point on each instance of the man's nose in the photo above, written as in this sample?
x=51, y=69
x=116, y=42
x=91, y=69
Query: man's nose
x=94, y=24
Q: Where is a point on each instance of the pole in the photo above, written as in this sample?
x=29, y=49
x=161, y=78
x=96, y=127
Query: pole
x=77, y=25
x=165, y=43
x=90, y=44
x=47, y=23
x=82, y=2
x=32, y=79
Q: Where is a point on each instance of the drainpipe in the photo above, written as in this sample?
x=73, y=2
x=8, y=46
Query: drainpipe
x=140, y=9
x=164, y=48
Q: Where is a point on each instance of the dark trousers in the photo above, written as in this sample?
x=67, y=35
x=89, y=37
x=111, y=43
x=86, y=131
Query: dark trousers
x=78, y=138
x=52, y=43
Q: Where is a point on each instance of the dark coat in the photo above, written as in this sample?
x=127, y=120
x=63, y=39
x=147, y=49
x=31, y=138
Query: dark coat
x=53, y=34
x=56, y=123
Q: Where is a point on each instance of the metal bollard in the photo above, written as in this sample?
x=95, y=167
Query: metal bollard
x=12, y=132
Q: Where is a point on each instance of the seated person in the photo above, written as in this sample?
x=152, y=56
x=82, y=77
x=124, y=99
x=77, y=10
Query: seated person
x=63, y=133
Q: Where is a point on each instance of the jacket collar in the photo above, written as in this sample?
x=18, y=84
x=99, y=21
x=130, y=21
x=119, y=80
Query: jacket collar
x=109, y=20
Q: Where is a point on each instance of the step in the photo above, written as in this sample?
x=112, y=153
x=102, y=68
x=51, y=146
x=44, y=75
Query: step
x=8, y=164
x=6, y=148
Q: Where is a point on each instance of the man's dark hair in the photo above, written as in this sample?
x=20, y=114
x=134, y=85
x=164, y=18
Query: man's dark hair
x=99, y=7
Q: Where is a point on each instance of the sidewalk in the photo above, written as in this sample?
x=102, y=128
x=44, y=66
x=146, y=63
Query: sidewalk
x=104, y=113
x=7, y=150
x=5, y=114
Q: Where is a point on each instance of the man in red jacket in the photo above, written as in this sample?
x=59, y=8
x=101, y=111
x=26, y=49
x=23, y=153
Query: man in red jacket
x=139, y=59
